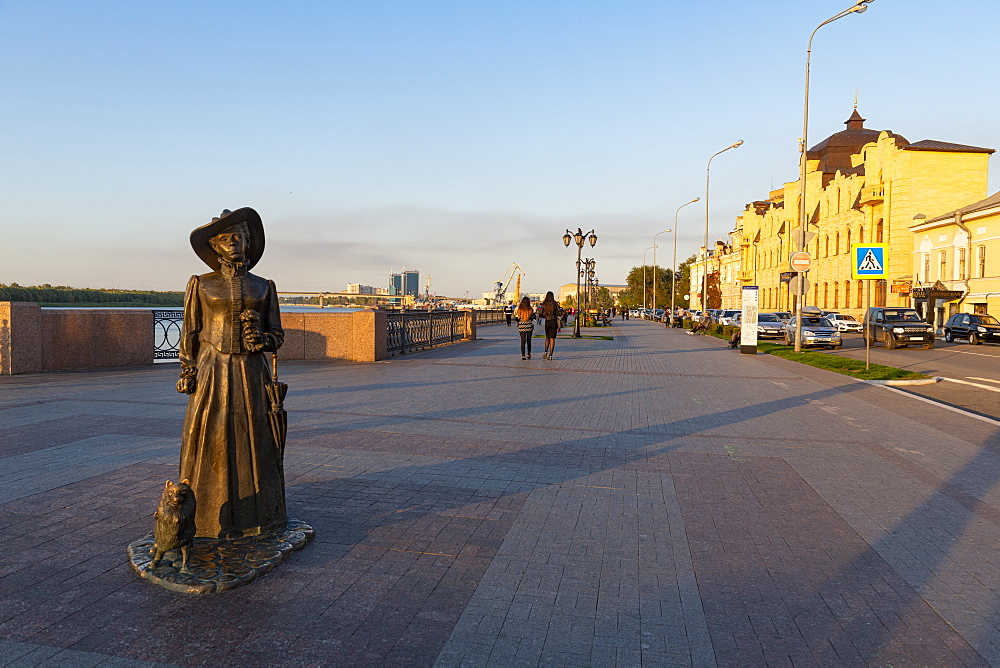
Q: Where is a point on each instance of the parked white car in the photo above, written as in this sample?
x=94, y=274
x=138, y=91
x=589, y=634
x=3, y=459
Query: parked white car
x=844, y=322
x=726, y=317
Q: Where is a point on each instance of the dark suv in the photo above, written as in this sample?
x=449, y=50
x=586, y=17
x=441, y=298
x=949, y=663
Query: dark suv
x=897, y=327
x=977, y=328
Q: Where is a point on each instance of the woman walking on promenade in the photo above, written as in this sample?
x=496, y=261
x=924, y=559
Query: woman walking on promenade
x=525, y=325
x=550, y=312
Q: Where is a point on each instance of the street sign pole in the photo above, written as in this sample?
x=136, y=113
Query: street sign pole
x=800, y=261
x=868, y=263
x=868, y=343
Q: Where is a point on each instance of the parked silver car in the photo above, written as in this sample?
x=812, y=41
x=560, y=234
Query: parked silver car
x=769, y=326
x=817, y=331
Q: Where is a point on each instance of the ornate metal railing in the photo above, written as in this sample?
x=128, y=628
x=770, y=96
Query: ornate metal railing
x=489, y=316
x=412, y=330
x=167, y=334
x=407, y=330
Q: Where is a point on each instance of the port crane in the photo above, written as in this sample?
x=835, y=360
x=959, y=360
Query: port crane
x=504, y=282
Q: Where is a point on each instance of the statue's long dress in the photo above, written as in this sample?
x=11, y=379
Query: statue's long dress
x=228, y=452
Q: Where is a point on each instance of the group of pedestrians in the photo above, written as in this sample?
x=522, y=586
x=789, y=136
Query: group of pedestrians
x=552, y=316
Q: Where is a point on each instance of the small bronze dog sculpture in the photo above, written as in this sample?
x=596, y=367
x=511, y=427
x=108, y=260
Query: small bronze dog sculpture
x=175, y=526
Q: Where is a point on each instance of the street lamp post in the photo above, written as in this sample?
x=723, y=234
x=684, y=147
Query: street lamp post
x=654, y=267
x=580, y=238
x=586, y=269
x=591, y=293
x=644, y=295
x=704, y=277
x=859, y=7
x=673, y=266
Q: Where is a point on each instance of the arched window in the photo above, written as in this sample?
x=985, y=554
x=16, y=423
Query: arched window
x=836, y=295
x=861, y=294
x=838, y=200
x=826, y=295
x=847, y=294
x=848, y=239
x=880, y=293
x=861, y=234
x=827, y=246
x=878, y=232
x=836, y=244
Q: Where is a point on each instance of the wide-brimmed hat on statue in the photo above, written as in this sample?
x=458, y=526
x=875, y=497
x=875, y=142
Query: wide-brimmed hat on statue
x=246, y=216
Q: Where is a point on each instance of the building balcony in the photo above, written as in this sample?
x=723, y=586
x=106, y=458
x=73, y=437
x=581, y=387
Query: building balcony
x=872, y=194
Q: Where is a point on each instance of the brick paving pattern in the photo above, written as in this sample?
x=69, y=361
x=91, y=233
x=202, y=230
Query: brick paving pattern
x=657, y=499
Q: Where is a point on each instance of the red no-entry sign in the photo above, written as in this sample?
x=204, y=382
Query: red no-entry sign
x=800, y=261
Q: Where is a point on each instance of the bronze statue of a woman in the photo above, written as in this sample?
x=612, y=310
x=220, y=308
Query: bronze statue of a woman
x=224, y=523
x=228, y=450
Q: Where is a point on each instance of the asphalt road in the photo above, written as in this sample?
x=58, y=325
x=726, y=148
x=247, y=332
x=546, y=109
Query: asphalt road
x=971, y=373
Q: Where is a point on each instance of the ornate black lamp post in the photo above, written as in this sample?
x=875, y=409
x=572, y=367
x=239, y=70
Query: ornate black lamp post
x=586, y=270
x=580, y=238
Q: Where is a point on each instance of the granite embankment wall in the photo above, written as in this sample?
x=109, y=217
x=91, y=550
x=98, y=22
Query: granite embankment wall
x=34, y=339
x=359, y=336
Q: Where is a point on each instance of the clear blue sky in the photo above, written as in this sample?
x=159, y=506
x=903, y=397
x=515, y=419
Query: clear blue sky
x=450, y=137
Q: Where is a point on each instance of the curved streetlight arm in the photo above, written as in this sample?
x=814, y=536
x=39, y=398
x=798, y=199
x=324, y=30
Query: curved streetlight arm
x=644, y=275
x=654, y=265
x=858, y=7
x=708, y=171
x=673, y=265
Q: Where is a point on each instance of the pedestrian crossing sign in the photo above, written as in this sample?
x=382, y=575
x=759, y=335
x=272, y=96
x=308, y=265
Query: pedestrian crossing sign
x=868, y=261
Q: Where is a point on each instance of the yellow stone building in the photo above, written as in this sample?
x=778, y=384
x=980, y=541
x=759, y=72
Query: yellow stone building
x=960, y=250
x=569, y=291
x=862, y=186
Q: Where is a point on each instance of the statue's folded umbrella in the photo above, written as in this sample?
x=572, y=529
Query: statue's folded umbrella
x=277, y=416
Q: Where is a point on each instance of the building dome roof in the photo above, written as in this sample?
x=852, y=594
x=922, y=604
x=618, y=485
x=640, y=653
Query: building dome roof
x=835, y=151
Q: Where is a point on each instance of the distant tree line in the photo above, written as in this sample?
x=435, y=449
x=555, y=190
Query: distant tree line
x=640, y=289
x=331, y=300
x=64, y=295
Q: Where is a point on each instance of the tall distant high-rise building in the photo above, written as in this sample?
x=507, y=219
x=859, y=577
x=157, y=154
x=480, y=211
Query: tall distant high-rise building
x=405, y=283
x=411, y=282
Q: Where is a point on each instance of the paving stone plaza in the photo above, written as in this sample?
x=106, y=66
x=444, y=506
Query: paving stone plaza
x=654, y=499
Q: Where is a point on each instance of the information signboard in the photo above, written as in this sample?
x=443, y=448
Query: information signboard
x=748, y=320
